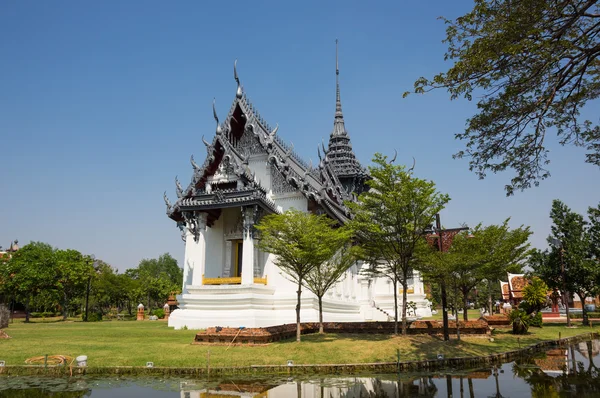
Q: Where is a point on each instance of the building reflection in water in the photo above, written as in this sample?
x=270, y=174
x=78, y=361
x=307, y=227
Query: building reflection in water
x=359, y=387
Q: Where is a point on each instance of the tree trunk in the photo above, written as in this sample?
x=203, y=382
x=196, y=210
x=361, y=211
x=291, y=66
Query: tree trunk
x=27, y=310
x=65, y=303
x=395, y=283
x=590, y=351
x=404, y=297
x=444, y=310
x=449, y=385
x=298, y=331
x=465, y=305
x=490, y=301
x=471, y=389
x=582, y=298
x=321, y=315
x=566, y=300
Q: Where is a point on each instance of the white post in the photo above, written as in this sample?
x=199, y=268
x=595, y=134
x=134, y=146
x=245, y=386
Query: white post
x=197, y=238
x=248, y=214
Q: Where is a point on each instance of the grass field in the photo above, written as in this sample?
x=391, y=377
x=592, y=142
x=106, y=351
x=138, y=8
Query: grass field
x=131, y=343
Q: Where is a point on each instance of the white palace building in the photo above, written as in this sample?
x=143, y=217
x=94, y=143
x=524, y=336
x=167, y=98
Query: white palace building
x=250, y=171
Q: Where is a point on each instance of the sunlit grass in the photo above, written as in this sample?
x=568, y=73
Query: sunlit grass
x=132, y=343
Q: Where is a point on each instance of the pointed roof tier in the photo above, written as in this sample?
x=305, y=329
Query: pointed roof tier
x=340, y=151
x=243, y=133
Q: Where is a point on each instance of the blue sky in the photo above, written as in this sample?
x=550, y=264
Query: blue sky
x=102, y=104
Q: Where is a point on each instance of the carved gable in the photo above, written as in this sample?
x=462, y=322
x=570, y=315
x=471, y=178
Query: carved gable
x=279, y=183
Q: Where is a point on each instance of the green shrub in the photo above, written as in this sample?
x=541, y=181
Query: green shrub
x=520, y=321
x=579, y=315
x=536, y=320
x=160, y=313
x=35, y=314
x=92, y=316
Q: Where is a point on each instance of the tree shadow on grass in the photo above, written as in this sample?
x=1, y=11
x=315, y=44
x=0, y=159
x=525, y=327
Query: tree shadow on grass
x=355, y=337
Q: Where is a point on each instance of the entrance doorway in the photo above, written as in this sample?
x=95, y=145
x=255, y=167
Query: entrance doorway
x=238, y=246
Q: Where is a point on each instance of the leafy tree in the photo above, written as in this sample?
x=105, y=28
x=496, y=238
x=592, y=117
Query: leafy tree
x=533, y=65
x=29, y=272
x=301, y=242
x=389, y=223
x=157, y=278
x=322, y=277
x=73, y=271
x=488, y=253
x=568, y=266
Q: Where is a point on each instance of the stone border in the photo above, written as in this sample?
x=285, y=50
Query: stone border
x=458, y=363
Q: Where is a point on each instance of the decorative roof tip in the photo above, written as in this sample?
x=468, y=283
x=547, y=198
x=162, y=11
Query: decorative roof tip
x=338, y=124
x=239, y=91
x=219, y=129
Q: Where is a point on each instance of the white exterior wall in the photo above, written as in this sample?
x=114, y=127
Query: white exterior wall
x=354, y=298
x=215, y=251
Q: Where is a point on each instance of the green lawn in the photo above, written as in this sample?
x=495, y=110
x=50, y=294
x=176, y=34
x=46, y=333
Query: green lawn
x=473, y=315
x=132, y=343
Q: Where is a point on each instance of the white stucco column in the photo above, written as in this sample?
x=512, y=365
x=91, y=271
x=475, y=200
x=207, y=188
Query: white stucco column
x=249, y=215
x=197, y=238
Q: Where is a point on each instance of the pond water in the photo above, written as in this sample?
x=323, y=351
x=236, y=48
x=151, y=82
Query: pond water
x=560, y=372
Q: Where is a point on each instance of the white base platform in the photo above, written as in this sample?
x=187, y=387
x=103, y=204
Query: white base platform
x=258, y=306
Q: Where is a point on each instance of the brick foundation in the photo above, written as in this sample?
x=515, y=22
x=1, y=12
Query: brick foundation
x=254, y=336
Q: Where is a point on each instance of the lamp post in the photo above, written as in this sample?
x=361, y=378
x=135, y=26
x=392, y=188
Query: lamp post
x=87, y=294
x=559, y=245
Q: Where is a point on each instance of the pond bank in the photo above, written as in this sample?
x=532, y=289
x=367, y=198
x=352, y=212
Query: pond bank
x=456, y=363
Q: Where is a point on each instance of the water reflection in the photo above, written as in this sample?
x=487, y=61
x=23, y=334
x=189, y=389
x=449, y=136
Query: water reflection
x=560, y=372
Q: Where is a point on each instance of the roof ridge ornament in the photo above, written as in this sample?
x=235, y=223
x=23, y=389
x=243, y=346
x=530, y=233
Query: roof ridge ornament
x=413, y=166
x=167, y=202
x=219, y=129
x=239, y=92
x=178, y=188
x=194, y=164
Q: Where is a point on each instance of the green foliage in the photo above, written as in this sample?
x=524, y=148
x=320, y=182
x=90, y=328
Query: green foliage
x=579, y=315
x=159, y=313
x=389, y=222
x=93, y=317
x=305, y=245
x=155, y=280
x=484, y=254
x=534, y=65
x=535, y=294
x=520, y=321
x=571, y=262
x=536, y=320
x=31, y=271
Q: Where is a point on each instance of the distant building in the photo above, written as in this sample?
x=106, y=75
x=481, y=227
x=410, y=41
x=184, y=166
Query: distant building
x=14, y=246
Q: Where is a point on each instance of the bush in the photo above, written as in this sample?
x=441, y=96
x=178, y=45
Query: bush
x=536, y=320
x=520, y=321
x=92, y=316
x=579, y=315
x=159, y=313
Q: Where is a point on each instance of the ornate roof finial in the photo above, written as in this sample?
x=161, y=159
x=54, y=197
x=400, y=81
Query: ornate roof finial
x=238, y=92
x=219, y=129
x=178, y=188
x=339, y=151
x=167, y=202
x=338, y=124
